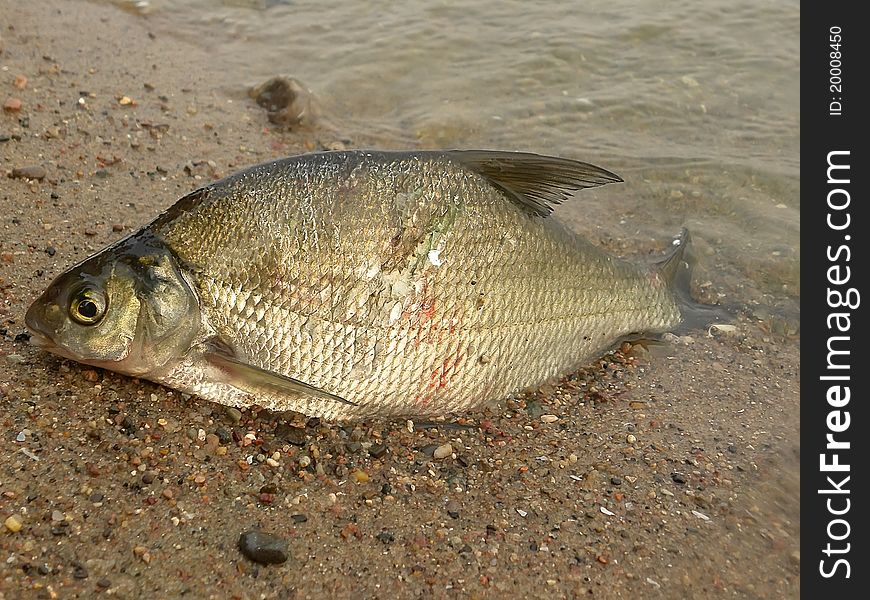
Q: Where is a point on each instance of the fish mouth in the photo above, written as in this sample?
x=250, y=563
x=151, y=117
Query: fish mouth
x=40, y=341
x=38, y=336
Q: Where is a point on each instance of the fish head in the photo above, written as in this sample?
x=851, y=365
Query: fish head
x=128, y=309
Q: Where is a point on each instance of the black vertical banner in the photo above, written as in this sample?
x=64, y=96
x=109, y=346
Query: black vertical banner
x=835, y=426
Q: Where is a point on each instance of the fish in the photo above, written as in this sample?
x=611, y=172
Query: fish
x=358, y=284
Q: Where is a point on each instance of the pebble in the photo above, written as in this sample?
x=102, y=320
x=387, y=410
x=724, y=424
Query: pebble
x=12, y=105
x=534, y=409
x=385, y=537
x=304, y=461
x=442, y=452
x=292, y=435
x=286, y=100
x=13, y=523
x=299, y=518
x=30, y=172
x=234, y=414
x=223, y=435
x=678, y=478
x=630, y=438
x=57, y=516
x=263, y=548
x=142, y=553
x=549, y=418
x=378, y=450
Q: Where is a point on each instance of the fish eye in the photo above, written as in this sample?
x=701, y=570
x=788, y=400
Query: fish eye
x=87, y=306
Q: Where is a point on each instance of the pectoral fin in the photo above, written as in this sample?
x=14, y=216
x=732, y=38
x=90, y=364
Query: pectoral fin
x=256, y=381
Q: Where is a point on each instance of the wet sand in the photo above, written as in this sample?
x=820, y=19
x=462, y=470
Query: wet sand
x=663, y=474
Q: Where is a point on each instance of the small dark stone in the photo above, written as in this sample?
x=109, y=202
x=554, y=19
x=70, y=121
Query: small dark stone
x=103, y=583
x=353, y=447
x=31, y=172
x=223, y=435
x=534, y=409
x=22, y=337
x=378, y=450
x=128, y=426
x=616, y=480
x=453, y=509
x=732, y=449
x=50, y=250
x=4, y=137
x=43, y=569
x=385, y=537
x=292, y=435
x=678, y=478
x=54, y=195
x=386, y=489
x=533, y=546
x=79, y=572
x=429, y=449
x=96, y=497
x=263, y=548
x=101, y=173
x=148, y=478
x=299, y=518
x=286, y=101
x=269, y=488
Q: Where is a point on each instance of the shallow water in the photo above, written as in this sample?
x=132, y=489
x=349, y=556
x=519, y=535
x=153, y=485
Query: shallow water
x=696, y=105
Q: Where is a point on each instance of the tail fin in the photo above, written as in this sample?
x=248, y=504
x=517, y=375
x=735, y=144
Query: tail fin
x=676, y=269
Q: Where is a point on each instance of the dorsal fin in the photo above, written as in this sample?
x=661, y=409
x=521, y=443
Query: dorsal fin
x=535, y=182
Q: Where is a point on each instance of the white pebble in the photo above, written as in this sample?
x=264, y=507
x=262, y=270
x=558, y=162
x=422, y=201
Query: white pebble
x=443, y=451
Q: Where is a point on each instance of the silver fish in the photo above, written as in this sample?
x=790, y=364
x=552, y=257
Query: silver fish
x=357, y=284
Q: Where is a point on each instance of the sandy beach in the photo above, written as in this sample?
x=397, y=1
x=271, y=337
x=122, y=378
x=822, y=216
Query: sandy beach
x=667, y=472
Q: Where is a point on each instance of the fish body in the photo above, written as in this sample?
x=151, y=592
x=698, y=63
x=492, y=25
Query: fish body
x=359, y=284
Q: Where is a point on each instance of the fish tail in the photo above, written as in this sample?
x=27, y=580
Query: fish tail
x=676, y=270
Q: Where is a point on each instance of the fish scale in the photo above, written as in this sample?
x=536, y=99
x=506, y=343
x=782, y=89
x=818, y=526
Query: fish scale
x=533, y=309
x=390, y=284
